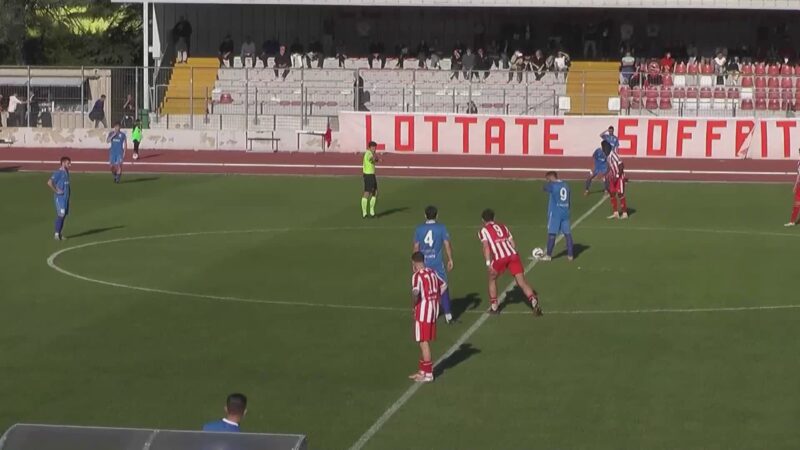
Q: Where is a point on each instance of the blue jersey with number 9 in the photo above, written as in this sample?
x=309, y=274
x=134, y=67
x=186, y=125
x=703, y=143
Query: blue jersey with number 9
x=430, y=237
x=559, y=198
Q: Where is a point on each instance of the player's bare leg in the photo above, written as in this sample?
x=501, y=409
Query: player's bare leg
x=795, y=216
x=530, y=294
x=425, y=372
x=615, y=214
x=493, y=306
x=623, y=207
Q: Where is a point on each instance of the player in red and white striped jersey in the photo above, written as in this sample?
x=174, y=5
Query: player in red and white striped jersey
x=796, y=206
x=501, y=254
x=615, y=179
x=426, y=289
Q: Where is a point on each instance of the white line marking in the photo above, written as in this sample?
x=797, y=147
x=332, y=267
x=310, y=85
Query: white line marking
x=403, y=167
x=461, y=340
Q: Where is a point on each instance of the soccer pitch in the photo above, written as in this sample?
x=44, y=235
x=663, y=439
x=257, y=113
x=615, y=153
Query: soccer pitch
x=674, y=329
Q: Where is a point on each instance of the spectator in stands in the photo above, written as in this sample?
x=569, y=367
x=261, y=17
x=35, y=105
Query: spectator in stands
x=493, y=53
x=455, y=62
x=226, y=51
x=590, y=41
x=265, y=53
x=128, y=111
x=402, y=55
x=16, y=111
x=376, y=50
x=539, y=65
x=361, y=96
x=667, y=63
x=472, y=108
x=282, y=61
x=248, y=51
x=733, y=70
x=436, y=58
x=2, y=112
x=315, y=53
x=183, y=29
x=720, y=65
x=626, y=35
x=517, y=65
x=341, y=54
x=235, y=410
x=98, y=112
x=627, y=67
x=483, y=63
x=468, y=64
x=297, y=53
x=422, y=54
x=181, y=51
x=561, y=63
x=691, y=53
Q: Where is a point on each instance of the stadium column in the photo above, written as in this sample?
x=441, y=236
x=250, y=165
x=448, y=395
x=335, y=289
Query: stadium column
x=146, y=53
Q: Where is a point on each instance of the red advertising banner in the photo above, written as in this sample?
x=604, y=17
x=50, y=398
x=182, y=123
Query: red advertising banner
x=642, y=137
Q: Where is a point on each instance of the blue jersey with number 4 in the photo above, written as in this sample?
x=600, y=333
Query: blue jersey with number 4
x=430, y=237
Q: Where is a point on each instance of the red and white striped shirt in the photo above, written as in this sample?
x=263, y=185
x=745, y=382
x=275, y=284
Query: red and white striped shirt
x=499, y=238
x=427, y=287
x=797, y=180
x=614, y=165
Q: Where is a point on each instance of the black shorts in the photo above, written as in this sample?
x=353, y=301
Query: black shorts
x=370, y=183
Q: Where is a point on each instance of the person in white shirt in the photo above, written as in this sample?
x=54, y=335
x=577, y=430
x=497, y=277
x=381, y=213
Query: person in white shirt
x=561, y=64
x=14, y=113
x=720, y=66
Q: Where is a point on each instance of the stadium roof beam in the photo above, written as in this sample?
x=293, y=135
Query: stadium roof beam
x=639, y=4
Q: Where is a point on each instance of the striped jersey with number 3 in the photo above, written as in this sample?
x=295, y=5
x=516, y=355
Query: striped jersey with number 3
x=499, y=238
x=427, y=287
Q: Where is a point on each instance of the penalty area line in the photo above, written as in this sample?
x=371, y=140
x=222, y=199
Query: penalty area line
x=406, y=396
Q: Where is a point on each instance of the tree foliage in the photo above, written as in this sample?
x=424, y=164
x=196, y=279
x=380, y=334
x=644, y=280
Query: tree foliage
x=69, y=32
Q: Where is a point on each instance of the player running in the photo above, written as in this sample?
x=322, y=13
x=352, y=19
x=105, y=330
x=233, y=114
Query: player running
x=116, y=152
x=609, y=136
x=616, y=183
x=557, y=214
x=600, y=168
x=370, y=182
x=59, y=184
x=426, y=289
x=500, y=254
x=430, y=238
x=796, y=206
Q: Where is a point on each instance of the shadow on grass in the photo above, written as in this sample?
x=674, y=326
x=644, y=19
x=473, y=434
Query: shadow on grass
x=514, y=297
x=462, y=353
x=577, y=250
x=140, y=180
x=10, y=169
x=147, y=155
x=468, y=302
x=389, y=212
x=95, y=231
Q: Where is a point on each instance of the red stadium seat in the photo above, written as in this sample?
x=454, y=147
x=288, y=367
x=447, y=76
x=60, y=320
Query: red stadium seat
x=665, y=103
x=624, y=90
x=733, y=92
x=691, y=69
x=760, y=94
x=774, y=105
x=624, y=103
x=760, y=69
x=651, y=92
x=705, y=92
x=680, y=69
x=774, y=94
x=666, y=80
x=636, y=103
x=761, y=104
x=225, y=98
x=786, y=69
x=747, y=104
x=636, y=92
x=678, y=92
x=747, y=69
x=773, y=82
x=651, y=103
x=761, y=82
x=707, y=69
x=773, y=69
x=331, y=103
x=797, y=83
x=719, y=92
x=786, y=82
x=787, y=94
x=691, y=92
x=747, y=82
x=665, y=92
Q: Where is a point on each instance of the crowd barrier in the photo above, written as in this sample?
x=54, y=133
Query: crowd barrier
x=644, y=137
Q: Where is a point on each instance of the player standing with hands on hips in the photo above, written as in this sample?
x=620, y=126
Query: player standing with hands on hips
x=59, y=184
x=796, y=206
x=557, y=214
x=426, y=289
x=431, y=238
x=370, y=182
x=116, y=152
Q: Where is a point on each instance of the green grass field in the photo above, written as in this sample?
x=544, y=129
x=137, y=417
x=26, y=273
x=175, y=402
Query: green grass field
x=257, y=296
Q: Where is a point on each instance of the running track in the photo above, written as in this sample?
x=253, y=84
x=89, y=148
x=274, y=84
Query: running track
x=302, y=163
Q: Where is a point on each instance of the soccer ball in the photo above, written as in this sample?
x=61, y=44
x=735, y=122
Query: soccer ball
x=538, y=253
x=135, y=156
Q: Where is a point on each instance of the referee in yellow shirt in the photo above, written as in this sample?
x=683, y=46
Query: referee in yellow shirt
x=370, y=182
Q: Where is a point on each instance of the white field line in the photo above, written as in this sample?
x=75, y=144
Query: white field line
x=402, y=167
x=406, y=396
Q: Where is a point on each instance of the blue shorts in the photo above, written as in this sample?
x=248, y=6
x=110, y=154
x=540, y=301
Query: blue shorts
x=558, y=224
x=599, y=170
x=62, y=206
x=439, y=269
x=115, y=159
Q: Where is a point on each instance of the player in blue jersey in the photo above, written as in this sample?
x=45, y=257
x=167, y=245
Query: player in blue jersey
x=59, y=184
x=609, y=136
x=235, y=409
x=431, y=238
x=116, y=152
x=600, y=166
x=557, y=214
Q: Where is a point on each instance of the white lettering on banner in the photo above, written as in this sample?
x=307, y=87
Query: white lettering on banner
x=645, y=137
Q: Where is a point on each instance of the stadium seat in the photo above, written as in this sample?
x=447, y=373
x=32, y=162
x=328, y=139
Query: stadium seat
x=787, y=94
x=665, y=103
x=760, y=69
x=773, y=70
x=665, y=92
x=774, y=105
x=636, y=103
x=761, y=104
x=691, y=92
x=774, y=94
x=719, y=92
x=636, y=92
x=733, y=92
x=707, y=69
x=746, y=105
x=624, y=90
x=761, y=82
x=786, y=82
x=666, y=80
x=747, y=69
x=680, y=68
x=225, y=98
x=787, y=69
x=705, y=92
x=691, y=69
x=678, y=92
x=747, y=82
x=651, y=103
x=651, y=92
x=773, y=82
x=760, y=94
x=624, y=103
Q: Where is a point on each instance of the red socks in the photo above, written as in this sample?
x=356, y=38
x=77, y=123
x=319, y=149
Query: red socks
x=623, y=204
x=426, y=367
x=493, y=303
x=613, y=203
x=795, y=214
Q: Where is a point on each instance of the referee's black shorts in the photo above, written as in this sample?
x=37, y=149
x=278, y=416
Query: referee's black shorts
x=370, y=183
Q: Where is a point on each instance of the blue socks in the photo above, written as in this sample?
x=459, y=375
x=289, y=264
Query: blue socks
x=59, y=224
x=570, y=252
x=445, y=301
x=589, y=182
x=551, y=243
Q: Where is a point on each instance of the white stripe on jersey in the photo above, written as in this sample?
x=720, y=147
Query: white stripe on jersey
x=498, y=237
x=427, y=287
x=614, y=164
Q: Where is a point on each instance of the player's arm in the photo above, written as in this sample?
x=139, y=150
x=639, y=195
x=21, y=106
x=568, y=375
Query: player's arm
x=487, y=254
x=53, y=186
x=110, y=136
x=448, y=250
x=415, y=290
